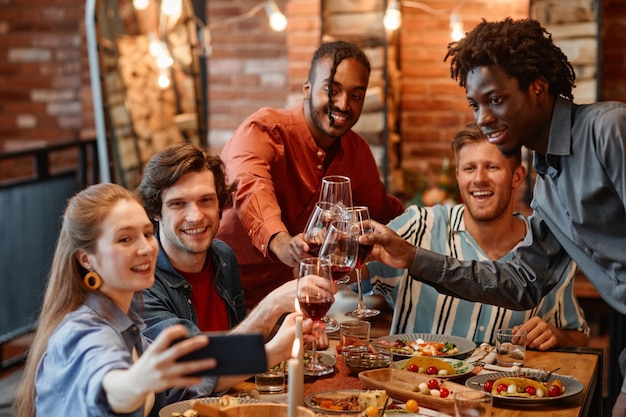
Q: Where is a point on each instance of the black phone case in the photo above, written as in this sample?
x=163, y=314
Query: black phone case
x=236, y=354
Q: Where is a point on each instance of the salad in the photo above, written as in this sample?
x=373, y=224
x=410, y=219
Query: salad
x=419, y=347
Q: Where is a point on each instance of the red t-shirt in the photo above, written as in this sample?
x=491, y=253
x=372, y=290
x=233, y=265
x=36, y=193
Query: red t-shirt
x=209, y=305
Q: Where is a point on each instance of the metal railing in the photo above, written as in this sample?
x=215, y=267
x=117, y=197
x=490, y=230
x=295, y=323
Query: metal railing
x=30, y=211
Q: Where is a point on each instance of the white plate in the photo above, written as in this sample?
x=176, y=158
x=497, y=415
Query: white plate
x=465, y=346
x=571, y=386
x=182, y=406
x=462, y=368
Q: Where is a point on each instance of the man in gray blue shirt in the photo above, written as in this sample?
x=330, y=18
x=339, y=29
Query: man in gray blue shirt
x=519, y=86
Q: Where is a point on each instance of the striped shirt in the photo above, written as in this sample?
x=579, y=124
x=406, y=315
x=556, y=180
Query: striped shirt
x=419, y=308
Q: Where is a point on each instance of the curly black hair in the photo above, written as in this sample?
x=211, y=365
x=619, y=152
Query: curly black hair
x=338, y=50
x=522, y=48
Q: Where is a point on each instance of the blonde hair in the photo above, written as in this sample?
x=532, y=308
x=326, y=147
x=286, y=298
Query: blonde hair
x=65, y=291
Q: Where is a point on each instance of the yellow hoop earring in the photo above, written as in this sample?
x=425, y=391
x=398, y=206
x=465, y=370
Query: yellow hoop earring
x=92, y=280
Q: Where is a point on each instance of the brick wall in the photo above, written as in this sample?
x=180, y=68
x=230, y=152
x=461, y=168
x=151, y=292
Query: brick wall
x=613, y=50
x=44, y=82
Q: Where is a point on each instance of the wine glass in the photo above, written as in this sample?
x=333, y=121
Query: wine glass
x=317, y=226
x=336, y=189
x=340, y=249
x=314, y=302
x=361, y=217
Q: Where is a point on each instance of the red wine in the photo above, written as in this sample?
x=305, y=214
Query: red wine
x=363, y=253
x=315, y=307
x=339, y=271
x=314, y=248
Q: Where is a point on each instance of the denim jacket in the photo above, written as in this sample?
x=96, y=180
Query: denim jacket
x=168, y=301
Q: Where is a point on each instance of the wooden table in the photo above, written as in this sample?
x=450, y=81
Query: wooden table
x=583, y=364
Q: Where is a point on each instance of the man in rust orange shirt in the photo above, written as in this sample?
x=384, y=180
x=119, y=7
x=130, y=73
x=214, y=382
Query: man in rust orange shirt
x=279, y=158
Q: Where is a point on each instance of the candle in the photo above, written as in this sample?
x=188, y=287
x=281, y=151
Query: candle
x=295, y=387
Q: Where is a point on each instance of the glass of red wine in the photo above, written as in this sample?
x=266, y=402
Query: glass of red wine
x=340, y=249
x=361, y=217
x=317, y=226
x=315, y=301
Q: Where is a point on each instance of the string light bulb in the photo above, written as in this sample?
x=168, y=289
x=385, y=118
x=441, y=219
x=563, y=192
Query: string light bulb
x=393, y=16
x=172, y=8
x=278, y=21
x=140, y=4
x=457, y=27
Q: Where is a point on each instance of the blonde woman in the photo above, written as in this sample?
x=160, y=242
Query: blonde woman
x=88, y=356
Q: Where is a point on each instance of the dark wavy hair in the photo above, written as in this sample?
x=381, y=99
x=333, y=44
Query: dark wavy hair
x=338, y=51
x=522, y=48
x=167, y=166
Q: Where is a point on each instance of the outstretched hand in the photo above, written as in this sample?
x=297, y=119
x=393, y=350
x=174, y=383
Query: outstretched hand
x=289, y=250
x=389, y=247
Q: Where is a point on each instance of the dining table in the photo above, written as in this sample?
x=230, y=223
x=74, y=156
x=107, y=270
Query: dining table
x=583, y=364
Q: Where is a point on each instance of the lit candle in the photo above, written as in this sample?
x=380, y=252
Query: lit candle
x=295, y=385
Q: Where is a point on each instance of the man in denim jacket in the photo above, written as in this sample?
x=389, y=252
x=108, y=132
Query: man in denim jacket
x=197, y=284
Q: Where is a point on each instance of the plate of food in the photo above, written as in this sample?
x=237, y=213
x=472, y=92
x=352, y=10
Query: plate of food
x=525, y=388
x=225, y=401
x=438, y=367
x=423, y=344
x=347, y=401
x=354, y=401
x=430, y=392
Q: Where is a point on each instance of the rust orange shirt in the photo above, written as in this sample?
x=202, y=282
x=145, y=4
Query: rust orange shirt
x=280, y=168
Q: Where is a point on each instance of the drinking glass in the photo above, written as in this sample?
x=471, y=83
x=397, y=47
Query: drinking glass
x=340, y=249
x=317, y=226
x=361, y=217
x=336, y=189
x=315, y=302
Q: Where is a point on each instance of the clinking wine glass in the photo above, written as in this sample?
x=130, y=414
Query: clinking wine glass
x=314, y=302
x=336, y=189
x=340, y=249
x=361, y=217
x=317, y=226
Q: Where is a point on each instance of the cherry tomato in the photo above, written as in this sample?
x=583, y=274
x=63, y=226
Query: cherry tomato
x=371, y=411
x=554, y=391
x=433, y=384
x=530, y=390
x=488, y=386
x=501, y=387
x=413, y=368
x=431, y=370
x=411, y=405
x=444, y=392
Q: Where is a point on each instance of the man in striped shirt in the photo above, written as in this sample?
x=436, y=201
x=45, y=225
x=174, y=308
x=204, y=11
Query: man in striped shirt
x=484, y=228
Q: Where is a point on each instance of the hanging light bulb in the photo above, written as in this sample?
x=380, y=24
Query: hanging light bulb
x=172, y=8
x=393, y=16
x=140, y=4
x=278, y=21
x=457, y=27
x=163, y=80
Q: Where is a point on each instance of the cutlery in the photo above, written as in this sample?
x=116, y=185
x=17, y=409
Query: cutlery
x=545, y=375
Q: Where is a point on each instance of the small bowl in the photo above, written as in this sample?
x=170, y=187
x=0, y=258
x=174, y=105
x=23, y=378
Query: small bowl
x=360, y=360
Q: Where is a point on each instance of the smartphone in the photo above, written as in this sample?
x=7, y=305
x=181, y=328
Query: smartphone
x=236, y=354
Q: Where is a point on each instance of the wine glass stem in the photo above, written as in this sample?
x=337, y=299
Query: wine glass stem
x=314, y=345
x=359, y=286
